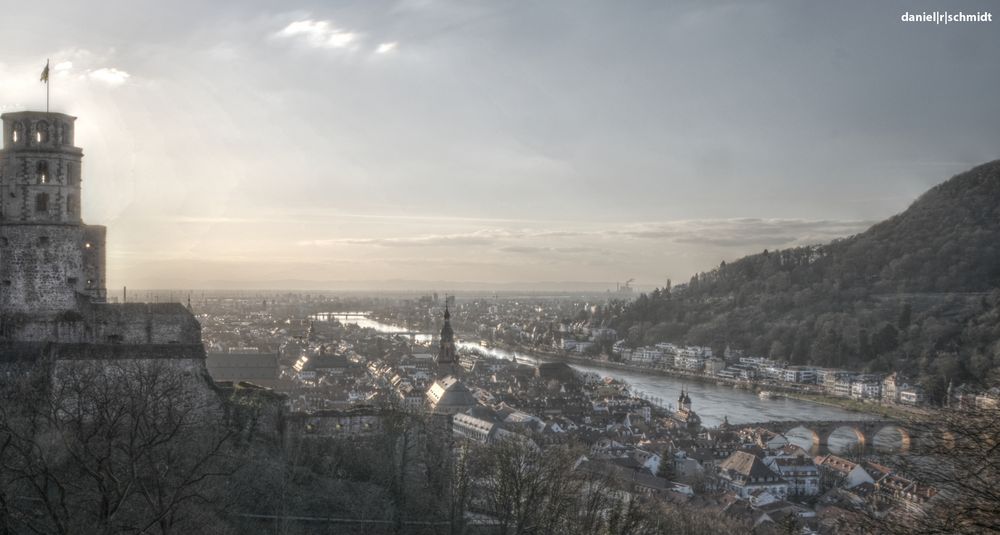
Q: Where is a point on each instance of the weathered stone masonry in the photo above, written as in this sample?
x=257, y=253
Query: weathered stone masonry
x=52, y=266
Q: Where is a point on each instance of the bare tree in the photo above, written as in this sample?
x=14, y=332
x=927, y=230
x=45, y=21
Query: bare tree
x=459, y=487
x=955, y=464
x=112, y=447
x=521, y=487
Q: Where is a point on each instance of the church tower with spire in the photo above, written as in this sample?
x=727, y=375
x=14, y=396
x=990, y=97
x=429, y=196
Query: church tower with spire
x=447, y=357
x=684, y=414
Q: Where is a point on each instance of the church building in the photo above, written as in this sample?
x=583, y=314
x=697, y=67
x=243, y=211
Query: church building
x=448, y=395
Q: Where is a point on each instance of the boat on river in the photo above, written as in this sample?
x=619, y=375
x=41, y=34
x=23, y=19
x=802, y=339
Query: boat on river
x=767, y=394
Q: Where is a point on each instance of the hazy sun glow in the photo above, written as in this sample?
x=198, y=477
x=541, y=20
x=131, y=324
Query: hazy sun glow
x=373, y=142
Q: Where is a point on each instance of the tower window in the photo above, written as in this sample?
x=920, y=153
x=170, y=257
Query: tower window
x=42, y=202
x=41, y=132
x=73, y=174
x=42, y=172
x=14, y=136
x=43, y=240
x=71, y=280
x=71, y=207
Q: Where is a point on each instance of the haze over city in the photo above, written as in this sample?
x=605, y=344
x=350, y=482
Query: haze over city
x=242, y=144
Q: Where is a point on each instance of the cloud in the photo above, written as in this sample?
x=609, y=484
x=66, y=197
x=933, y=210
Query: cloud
x=739, y=233
x=744, y=231
x=529, y=249
x=109, y=75
x=485, y=236
x=318, y=34
x=479, y=237
x=385, y=48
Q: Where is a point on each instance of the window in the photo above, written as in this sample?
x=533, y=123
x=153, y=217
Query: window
x=71, y=280
x=41, y=132
x=43, y=240
x=71, y=209
x=42, y=172
x=42, y=202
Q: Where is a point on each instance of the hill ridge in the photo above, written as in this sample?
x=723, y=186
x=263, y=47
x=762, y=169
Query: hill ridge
x=821, y=304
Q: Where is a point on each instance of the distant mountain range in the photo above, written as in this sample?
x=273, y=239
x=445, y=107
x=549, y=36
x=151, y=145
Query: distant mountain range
x=918, y=291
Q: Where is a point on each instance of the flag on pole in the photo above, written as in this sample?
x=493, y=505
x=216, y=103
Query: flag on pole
x=45, y=73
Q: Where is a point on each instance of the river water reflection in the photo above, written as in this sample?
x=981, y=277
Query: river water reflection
x=712, y=402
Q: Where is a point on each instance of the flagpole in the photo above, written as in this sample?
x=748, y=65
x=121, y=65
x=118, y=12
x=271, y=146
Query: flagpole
x=46, y=86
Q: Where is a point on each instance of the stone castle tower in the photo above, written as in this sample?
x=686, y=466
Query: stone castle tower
x=49, y=260
x=52, y=265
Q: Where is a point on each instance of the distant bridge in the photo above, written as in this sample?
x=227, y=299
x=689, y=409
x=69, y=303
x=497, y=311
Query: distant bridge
x=864, y=430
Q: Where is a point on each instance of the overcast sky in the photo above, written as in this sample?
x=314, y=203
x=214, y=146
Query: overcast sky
x=262, y=142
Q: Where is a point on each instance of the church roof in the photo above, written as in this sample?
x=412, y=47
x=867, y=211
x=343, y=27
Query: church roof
x=747, y=465
x=450, y=395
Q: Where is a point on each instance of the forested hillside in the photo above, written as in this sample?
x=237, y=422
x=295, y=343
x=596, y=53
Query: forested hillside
x=918, y=292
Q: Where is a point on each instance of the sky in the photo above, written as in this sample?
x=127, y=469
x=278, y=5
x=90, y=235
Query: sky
x=432, y=143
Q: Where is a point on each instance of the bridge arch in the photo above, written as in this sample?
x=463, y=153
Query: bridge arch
x=819, y=432
x=833, y=428
x=905, y=438
x=794, y=433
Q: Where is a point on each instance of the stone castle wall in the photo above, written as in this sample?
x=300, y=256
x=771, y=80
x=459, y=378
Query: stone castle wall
x=53, y=314
x=145, y=323
x=41, y=267
x=102, y=323
x=94, y=262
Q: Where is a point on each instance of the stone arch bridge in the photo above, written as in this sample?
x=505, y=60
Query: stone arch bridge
x=864, y=430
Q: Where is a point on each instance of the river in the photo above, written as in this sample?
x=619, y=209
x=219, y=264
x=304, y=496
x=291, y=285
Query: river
x=712, y=402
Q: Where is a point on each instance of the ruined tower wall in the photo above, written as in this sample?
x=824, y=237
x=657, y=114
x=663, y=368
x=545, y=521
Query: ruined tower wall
x=94, y=263
x=53, y=268
x=41, y=267
x=48, y=258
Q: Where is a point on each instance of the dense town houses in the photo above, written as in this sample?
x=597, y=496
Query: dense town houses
x=338, y=376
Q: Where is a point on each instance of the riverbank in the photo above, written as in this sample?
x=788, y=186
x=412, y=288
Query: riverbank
x=893, y=412
x=649, y=380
